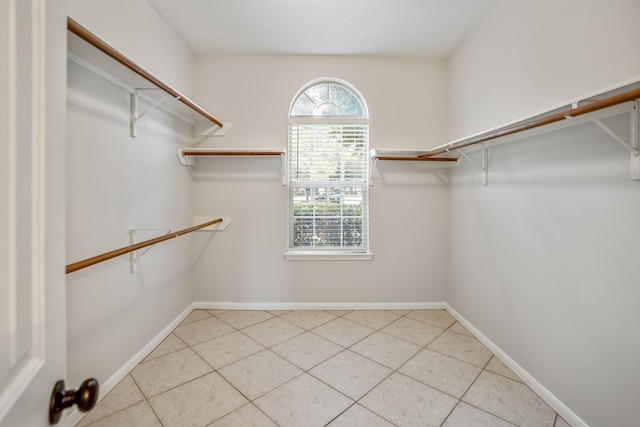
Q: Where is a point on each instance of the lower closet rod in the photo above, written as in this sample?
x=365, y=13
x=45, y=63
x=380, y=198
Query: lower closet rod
x=108, y=255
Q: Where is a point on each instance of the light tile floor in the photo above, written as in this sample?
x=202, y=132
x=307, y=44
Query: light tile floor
x=317, y=368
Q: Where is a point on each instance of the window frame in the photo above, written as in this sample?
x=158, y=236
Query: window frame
x=326, y=252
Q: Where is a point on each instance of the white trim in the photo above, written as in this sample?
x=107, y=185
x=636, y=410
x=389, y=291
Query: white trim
x=25, y=364
x=328, y=256
x=76, y=415
x=14, y=383
x=329, y=120
x=298, y=252
x=567, y=414
x=203, y=305
x=16, y=386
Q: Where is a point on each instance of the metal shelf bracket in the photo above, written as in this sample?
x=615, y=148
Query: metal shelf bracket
x=372, y=165
x=134, y=256
x=634, y=172
x=485, y=163
x=135, y=117
x=628, y=145
x=283, y=167
x=633, y=145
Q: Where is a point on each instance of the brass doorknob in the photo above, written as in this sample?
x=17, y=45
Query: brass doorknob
x=85, y=397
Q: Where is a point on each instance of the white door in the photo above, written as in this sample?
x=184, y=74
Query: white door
x=32, y=294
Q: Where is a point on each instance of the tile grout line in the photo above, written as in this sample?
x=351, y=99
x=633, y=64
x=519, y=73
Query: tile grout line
x=264, y=348
x=397, y=370
x=374, y=361
x=344, y=349
x=393, y=371
x=249, y=401
x=235, y=329
x=425, y=347
x=307, y=371
x=467, y=390
x=214, y=370
x=146, y=399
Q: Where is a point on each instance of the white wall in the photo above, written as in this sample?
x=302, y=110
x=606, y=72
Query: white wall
x=136, y=30
x=544, y=261
x=246, y=262
x=116, y=183
x=529, y=56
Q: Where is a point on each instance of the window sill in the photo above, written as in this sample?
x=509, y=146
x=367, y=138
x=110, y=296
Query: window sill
x=328, y=256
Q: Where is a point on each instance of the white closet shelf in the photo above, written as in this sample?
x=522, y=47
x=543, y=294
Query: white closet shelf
x=88, y=51
x=409, y=155
x=591, y=108
x=185, y=155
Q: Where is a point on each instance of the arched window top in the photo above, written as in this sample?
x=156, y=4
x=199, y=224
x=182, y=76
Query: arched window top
x=328, y=98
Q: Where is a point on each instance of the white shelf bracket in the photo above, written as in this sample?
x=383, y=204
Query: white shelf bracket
x=618, y=138
x=283, y=160
x=184, y=160
x=135, y=117
x=633, y=145
x=372, y=165
x=485, y=163
x=634, y=172
x=134, y=256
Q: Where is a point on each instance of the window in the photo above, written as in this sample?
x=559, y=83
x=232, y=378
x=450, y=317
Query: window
x=328, y=173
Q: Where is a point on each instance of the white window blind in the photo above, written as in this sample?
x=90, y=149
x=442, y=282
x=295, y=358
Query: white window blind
x=328, y=185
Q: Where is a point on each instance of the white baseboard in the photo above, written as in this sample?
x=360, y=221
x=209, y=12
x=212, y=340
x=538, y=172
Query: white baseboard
x=75, y=416
x=318, y=305
x=562, y=410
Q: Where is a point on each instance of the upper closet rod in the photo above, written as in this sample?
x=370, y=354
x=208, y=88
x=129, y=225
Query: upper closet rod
x=99, y=44
x=108, y=255
x=630, y=95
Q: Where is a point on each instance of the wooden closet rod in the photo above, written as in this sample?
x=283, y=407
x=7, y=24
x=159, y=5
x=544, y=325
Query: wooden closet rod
x=418, y=159
x=99, y=44
x=108, y=255
x=621, y=98
x=231, y=153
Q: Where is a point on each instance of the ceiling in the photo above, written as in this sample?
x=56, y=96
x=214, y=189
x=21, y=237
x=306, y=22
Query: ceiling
x=423, y=28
